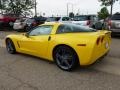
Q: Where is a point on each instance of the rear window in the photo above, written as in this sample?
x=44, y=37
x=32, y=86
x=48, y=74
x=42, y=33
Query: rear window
x=81, y=18
x=50, y=19
x=30, y=20
x=115, y=17
x=20, y=20
x=65, y=28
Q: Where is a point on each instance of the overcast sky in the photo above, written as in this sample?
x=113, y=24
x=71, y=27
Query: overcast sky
x=59, y=7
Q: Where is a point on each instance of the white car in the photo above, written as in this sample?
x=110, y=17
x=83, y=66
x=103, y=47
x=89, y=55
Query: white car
x=19, y=24
x=58, y=19
x=85, y=20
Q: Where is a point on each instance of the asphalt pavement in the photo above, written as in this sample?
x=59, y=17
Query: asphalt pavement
x=24, y=72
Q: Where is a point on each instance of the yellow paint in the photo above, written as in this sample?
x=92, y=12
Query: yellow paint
x=40, y=46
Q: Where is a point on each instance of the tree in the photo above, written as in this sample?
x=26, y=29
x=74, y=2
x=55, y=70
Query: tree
x=108, y=3
x=103, y=14
x=2, y=5
x=71, y=15
x=17, y=7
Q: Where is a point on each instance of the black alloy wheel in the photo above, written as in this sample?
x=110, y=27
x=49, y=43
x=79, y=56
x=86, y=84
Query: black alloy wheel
x=65, y=58
x=10, y=46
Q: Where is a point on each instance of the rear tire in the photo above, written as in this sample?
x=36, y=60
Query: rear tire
x=65, y=58
x=10, y=46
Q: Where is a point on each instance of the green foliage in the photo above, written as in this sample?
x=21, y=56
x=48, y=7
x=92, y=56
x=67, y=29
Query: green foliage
x=2, y=4
x=71, y=14
x=108, y=2
x=17, y=7
x=103, y=13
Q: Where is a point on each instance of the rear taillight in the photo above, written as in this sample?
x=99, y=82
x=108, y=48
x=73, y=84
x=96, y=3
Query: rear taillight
x=88, y=22
x=102, y=39
x=98, y=41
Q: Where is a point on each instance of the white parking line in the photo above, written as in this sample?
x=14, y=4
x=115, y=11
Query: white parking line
x=2, y=43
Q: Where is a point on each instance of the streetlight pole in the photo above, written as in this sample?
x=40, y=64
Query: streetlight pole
x=35, y=8
x=111, y=7
x=68, y=8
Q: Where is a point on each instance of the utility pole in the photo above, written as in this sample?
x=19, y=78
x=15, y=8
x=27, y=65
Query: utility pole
x=111, y=11
x=35, y=8
x=68, y=8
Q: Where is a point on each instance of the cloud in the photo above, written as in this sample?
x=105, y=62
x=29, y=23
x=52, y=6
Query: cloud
x=59, y=7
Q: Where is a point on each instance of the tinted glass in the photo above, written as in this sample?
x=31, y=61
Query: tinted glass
x=65, y=19
x=81, y=18
x=30, y=20
x=41, y=30
x=50, y=19
x=65, y=28
x=116, y=17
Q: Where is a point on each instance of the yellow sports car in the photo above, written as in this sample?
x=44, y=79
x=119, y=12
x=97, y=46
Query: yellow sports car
x=66, y=44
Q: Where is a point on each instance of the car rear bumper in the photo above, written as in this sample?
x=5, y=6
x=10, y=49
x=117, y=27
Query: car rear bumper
x=115, y=30
x=98, y=50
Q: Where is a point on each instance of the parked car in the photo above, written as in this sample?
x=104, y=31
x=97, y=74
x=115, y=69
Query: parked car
x=113, y=23
x=58, y=19
x=87, y=20
x=66, y=44
x=33, y=22
x=7, y=20
x=25, y=24
x=20, y=24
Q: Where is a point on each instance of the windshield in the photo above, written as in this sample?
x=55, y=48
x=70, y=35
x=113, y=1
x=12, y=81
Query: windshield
x=81, y=18
x=30, y=20
x=50, y=19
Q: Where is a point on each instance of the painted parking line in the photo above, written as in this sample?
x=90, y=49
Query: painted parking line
x=2, y=43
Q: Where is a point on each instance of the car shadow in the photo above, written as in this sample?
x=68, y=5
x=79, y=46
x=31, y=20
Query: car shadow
x=117, y=36
x=78, y=70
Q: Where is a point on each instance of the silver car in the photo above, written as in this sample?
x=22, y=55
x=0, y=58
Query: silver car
x=63, y=19
x=20, y=24
x=88, y=20
x=113, y=24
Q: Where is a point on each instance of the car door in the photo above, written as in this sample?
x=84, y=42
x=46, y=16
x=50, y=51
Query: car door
x=37, y=41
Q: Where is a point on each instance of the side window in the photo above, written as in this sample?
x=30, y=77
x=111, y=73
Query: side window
x=57, y=18
x=64, y=29
x=41, y=30
x=65, y=19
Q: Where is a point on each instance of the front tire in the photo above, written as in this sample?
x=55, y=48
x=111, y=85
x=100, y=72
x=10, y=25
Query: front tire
x=10, y=46
x=65, y=58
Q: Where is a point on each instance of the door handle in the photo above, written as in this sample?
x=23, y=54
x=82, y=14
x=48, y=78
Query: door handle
x=49, y=38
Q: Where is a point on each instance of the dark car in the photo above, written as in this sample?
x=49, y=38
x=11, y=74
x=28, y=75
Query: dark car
x=33, y=22
x=113, y=23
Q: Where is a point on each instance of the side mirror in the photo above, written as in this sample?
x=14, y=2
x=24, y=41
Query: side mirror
x=27, y=35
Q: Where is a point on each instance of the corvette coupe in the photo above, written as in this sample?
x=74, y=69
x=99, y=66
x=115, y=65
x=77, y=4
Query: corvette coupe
x=65, y=44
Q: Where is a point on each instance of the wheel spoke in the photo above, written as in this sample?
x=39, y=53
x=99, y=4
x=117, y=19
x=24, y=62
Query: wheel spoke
x=59, y=58
x=67, y=63
x=64, y=58
x=63, y=51
x=10, y=46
